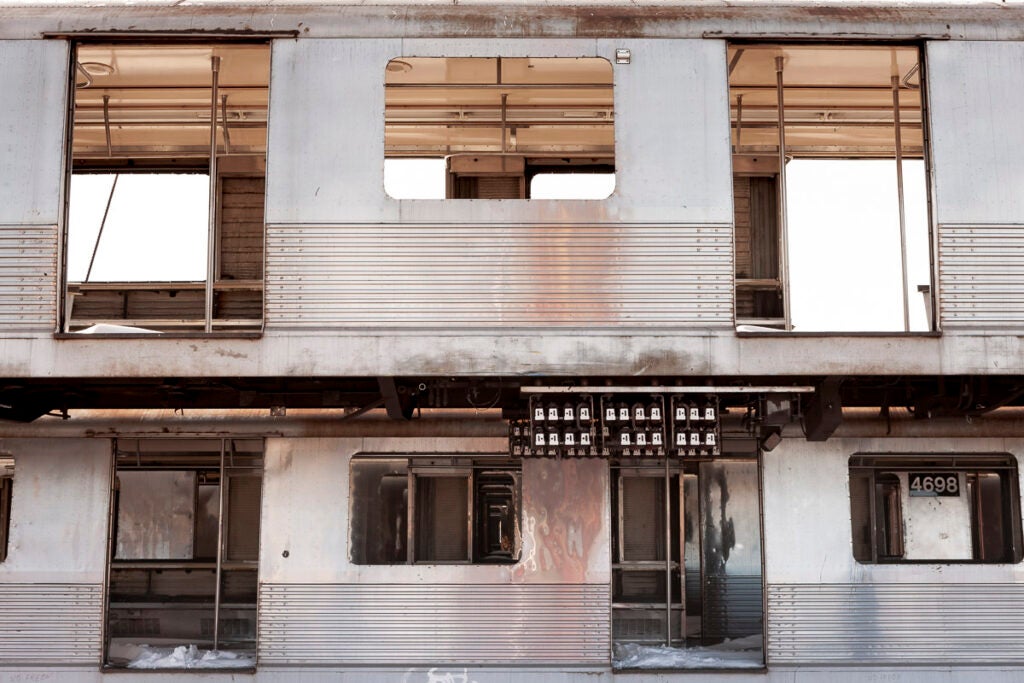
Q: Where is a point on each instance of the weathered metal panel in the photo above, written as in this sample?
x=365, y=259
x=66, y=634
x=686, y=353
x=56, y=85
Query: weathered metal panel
x=28, y=278
x=434, y=623
x=976, y=94
x=566, y=528
x=34, y=80
x=672, y=138
x=43, y=623
x=59, y=505
x=512, y=275
x=325, y=158
x=981, y=275
x=896, y=623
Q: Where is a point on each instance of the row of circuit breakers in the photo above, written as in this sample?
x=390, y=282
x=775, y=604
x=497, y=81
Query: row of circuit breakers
x=621, y=426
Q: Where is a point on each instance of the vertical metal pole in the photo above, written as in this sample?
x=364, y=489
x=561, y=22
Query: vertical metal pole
x=103, y=224
x=739, y=124
x=224, y=123
x=899, y=191
x=783, y=227
x=111, y=548
x=211, y=242
x=221, y=484
x=504, y=124
x=106, y=124
x=668, y=557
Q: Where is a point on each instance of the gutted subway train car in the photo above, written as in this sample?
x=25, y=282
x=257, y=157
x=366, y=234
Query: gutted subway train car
x=496, y=342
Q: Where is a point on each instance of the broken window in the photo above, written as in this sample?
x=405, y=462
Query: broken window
x=165, y=211
x=183, y=572
x=418, y=510
x=6, y=488
x=484, y=127
x=830, y=190
x=935, y=509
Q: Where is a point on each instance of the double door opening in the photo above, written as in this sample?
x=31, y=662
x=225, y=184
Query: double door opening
x=686, y=565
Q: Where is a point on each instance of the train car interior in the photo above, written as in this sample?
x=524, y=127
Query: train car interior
x=848, y=124
x=499, y=128
x=164, y=137
x=686, y=562
x=185, y=526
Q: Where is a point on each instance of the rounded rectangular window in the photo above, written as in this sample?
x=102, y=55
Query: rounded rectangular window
x=489, y=127
x=935, y=509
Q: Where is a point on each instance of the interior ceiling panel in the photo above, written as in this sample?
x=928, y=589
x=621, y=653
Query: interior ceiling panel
x=158, y=98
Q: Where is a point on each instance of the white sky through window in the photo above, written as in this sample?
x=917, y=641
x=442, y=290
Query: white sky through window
x=156, y=229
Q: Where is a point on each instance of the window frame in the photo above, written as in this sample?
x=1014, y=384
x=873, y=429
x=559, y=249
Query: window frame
x=419, y=467
x=870, y=468
x=6, y=496
x=481, y=160
x=223, y=164
x=757, y=165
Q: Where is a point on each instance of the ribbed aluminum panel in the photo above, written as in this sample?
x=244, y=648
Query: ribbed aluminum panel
x=732, y=606
x=50, y=623
x=28, y=278
x=472, y=276
x=875, y=623
x=981, y=275
x=426, y=624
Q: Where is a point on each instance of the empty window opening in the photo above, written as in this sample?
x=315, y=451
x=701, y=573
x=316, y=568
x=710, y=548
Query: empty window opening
x=183, y=572
x=836, y=237
x=423, y=511
x=165, y=212
x=686, y=565
x=6, y=489
x=482, y=128
x=935, y=509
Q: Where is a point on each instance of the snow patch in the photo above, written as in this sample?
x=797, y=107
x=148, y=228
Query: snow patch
x=189, y=657
x=740, y=653
x=106, y=328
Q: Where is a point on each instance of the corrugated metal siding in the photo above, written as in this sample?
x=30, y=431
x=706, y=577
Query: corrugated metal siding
x=50, y=623
x=732, y=606
x=28, y=280
x=462, y=275
x=422, y=624
x=896, y=623
x=981, y=275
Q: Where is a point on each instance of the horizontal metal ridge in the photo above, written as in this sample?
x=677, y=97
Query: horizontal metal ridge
x=469, y=275
x=386, y=623
x=53, y=623
x=875, y=623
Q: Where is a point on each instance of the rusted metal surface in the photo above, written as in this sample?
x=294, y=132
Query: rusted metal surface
x=528, y=19
x=566, y=537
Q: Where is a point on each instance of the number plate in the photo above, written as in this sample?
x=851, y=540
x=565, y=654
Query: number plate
x=934, y=483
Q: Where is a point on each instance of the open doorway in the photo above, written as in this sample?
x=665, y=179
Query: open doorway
x=686, y=572
x=185, y=519
x=830, y=188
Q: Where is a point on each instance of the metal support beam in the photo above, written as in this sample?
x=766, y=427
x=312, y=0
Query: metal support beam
x=399, y=407
x=824, y=410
